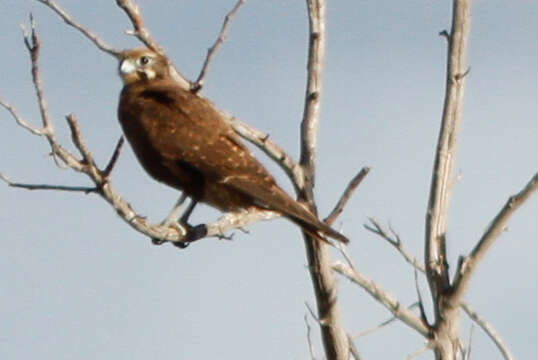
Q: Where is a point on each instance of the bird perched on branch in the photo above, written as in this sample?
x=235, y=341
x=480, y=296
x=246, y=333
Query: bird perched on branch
x=184, y=141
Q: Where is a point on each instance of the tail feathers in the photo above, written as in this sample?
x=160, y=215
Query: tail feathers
x=274, y=198
x=300, y=215
x=318, y=229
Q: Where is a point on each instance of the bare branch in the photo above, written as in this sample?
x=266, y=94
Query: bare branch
x=114, y=157
x=238, y=220
x=33, y=46
x=395, y=241
x=77, y=139
x=419, y=296
x=464, y=305
x=335, y=341
x=84, y=189
x=436, y=217
x=353, y=351
x=311, y=112
x=446, y=323
x=100, y=43
x=384, y=298
x=468, y=264
x=382, y=325
x=132, y=10
x=212, y=50
x=20, y=121
x=489, y=330
x=339, y=207
x=309, y=337
x=418, y=352
x=467, y=351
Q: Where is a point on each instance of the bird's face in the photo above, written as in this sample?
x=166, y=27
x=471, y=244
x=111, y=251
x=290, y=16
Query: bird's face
x=142, y=65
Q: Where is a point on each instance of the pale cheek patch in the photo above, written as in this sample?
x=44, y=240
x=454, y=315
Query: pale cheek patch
x=150, y=74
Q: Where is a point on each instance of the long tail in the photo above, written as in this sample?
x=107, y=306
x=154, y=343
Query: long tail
x=308, y=221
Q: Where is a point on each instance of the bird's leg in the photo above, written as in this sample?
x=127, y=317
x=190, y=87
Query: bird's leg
x=193, y=232
x=172, y=219
x=185, y=217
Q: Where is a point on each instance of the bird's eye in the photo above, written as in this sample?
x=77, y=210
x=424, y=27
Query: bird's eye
x=144, y=60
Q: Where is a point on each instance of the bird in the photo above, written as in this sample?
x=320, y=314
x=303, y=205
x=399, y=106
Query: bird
x=183, y=140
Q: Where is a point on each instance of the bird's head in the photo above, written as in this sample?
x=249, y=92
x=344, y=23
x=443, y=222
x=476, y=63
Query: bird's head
x=142, y=65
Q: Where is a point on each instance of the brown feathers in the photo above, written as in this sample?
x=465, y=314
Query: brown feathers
x=182, y=140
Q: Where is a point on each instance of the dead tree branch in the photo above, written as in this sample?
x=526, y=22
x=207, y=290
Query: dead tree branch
x=446, y=326
x=309, y=337
x=132, y=10
x=400, y=311
x=467, y=264
x=335, y=341
x=84, y=189
x=436, y=218
x=489, y=330
x=69, y=20
x=353, y=184
x=382, y=324
x=218, y=42
x=396, y=242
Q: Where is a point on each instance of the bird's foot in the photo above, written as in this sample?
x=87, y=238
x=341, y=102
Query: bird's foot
x=182, y=230
x=188, y=234
x=193, y=233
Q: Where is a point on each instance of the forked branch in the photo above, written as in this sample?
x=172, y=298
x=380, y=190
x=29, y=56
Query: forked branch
x=334, y=337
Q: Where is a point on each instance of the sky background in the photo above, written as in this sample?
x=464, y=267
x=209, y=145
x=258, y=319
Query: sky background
x=77, y=282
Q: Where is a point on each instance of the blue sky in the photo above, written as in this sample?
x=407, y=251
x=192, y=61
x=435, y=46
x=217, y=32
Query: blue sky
x=78, y=283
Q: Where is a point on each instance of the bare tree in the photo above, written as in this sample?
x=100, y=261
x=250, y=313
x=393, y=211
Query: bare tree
x=442, y=333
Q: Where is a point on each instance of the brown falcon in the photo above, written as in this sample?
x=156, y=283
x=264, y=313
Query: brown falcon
x=182, y=140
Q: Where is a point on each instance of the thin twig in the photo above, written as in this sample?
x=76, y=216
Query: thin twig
x=78, y=141
x=84, y=189
x=467, y=352
x=468, y=264
x=339, y=207
x=353, y=351
x=417, y=353
x=20, y=121
x=489, y=330
x=381, y=325
x=100, y=43
x=132, y=11
x=384, y=298
x=309, y=337
x=33, y=46
x=395, y=241
x=212, y=50
x=114, y=157
x=419, y=296
x=312, y=312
